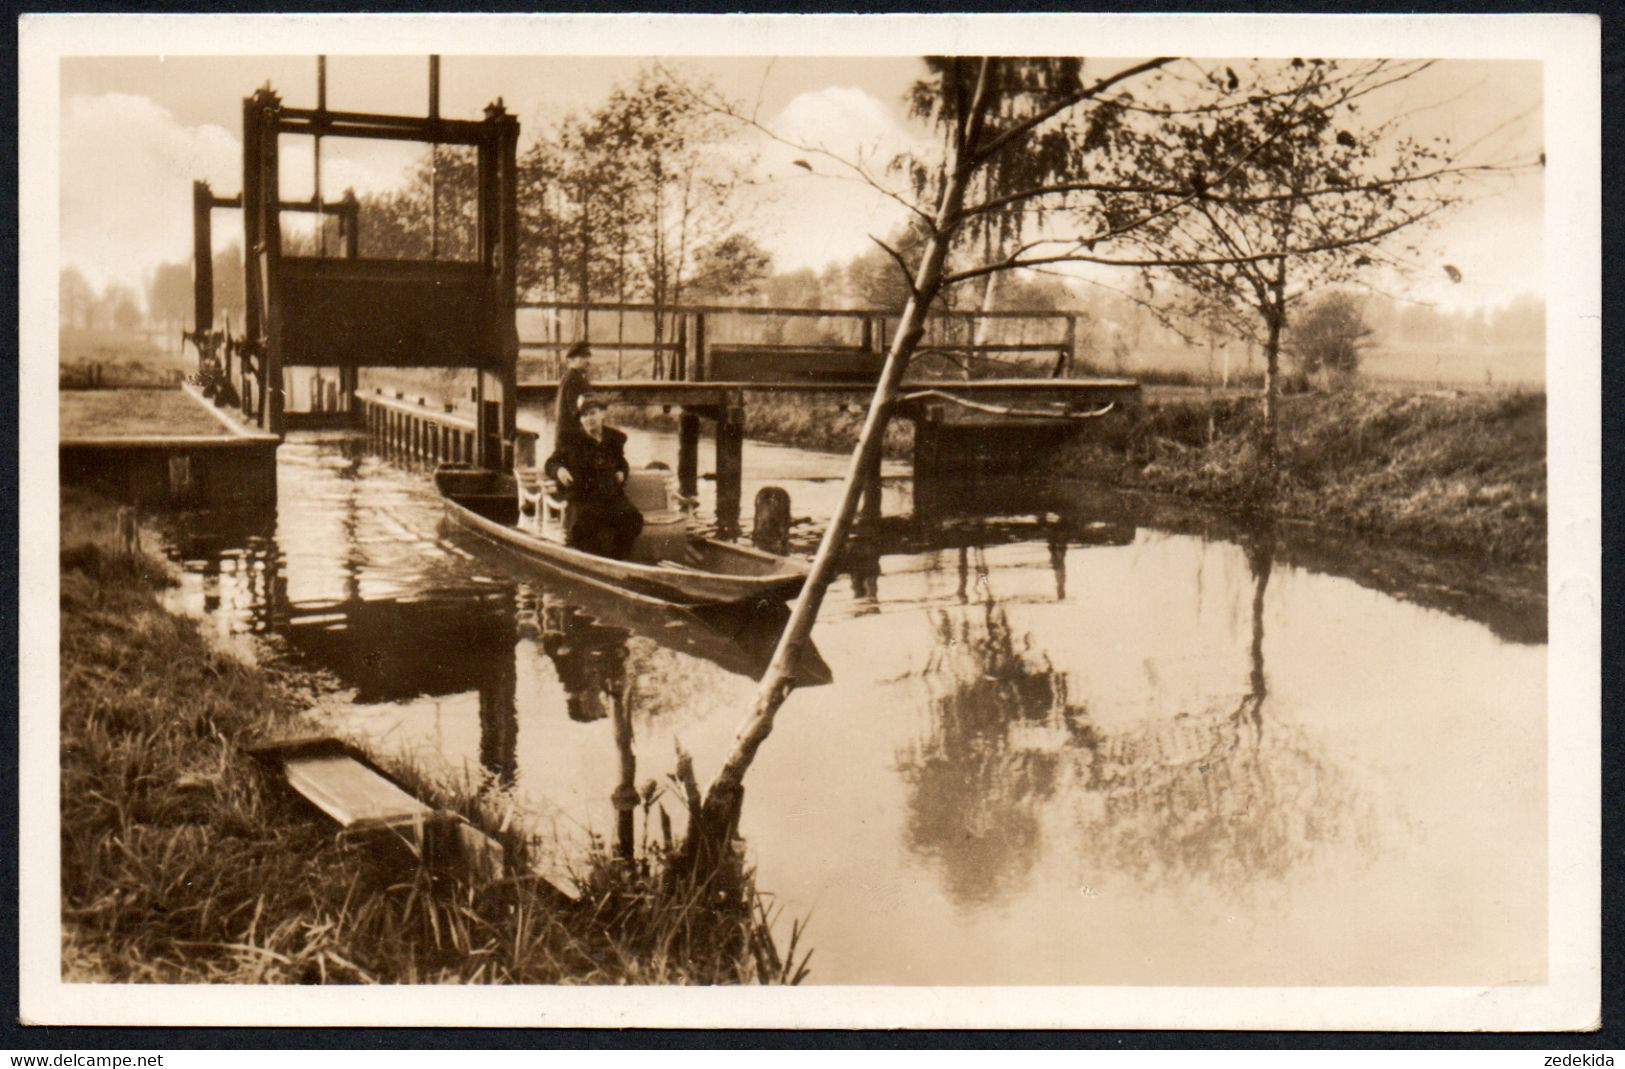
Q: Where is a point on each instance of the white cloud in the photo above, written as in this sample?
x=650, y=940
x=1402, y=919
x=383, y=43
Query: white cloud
x=127, y=170
x=825, y=211
x=846, y=121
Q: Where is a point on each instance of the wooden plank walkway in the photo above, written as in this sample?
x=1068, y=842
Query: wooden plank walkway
x=368, y=806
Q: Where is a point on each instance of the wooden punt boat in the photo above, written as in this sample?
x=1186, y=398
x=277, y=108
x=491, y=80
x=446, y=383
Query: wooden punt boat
x=739, y=638
x=668, y=563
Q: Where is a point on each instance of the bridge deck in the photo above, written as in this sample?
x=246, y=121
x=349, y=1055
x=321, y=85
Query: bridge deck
x=1073, y=392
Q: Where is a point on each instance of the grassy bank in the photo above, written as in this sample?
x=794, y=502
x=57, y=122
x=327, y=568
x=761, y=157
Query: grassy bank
x=1452, y=471
x=1445, y=471
x=1439, y=471
x=181, y=863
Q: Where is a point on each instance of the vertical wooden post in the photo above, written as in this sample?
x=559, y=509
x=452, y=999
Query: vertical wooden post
x=269, y=124
x=1068, y=357
x=202, y=260
x=697, y=371
x=730, y=467
x=506, y=328
x=688, y=453
x=868, y=341
x=253, y=292
x=927, y=464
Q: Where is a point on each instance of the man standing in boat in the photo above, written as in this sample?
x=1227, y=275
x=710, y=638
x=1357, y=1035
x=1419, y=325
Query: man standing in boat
x=590, y=467
x=572, y=385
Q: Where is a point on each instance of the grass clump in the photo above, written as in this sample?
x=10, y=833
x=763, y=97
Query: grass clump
x=182, y=863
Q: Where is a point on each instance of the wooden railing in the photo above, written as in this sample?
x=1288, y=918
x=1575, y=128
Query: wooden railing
x=692, y=342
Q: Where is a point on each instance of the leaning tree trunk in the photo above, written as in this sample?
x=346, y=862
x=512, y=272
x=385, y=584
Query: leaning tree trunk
x=722, y=799
x=1272, y=375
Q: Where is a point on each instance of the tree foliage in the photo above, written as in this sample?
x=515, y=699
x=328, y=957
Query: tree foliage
x=169, y=294
x=1330, y=334
x=633, y=200
x=76, y=298
x=1263, y=163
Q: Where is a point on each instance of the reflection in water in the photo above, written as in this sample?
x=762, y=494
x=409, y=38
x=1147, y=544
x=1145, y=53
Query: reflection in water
x=499, y=721
x=235, y=555
x=861, y=559
x=590, y=660
x=1201, y=796
x=1212, y=795
x=973, y=787
x=1089, y=706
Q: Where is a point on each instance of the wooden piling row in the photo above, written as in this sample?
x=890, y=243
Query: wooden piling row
x=420, y=435
x=412, y=431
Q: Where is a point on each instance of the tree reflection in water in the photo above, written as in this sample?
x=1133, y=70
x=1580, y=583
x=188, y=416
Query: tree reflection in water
x=1207, y=797
x=973, y=790
x=590, y=661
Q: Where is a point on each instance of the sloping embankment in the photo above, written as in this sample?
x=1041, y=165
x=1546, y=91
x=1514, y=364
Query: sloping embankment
x=1449, y=472
x=180, y=864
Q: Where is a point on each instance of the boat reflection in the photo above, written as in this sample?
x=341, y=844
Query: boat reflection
x=448, y=630
x=1015, y=767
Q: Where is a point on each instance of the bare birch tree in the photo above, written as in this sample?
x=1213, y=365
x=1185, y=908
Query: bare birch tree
x=1096, y=172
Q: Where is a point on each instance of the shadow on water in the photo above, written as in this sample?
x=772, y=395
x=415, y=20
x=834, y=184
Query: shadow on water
x=1218, y=795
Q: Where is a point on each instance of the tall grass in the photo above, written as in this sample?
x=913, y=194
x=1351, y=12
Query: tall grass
x=182, y=863
x=1444, y=471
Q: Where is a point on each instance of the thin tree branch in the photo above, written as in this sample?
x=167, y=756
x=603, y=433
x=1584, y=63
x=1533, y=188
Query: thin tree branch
x=1195, y=261
x=902, y=265
x=1027, y=125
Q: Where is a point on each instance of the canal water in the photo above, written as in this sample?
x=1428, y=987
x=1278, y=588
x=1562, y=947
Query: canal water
x=1099, y=745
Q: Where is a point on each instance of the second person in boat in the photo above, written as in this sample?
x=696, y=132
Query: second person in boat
x=590, y=468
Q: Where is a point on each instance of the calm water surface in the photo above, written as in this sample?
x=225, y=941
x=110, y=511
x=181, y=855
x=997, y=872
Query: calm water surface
x=1083, y=752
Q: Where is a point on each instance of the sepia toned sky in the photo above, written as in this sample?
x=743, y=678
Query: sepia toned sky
x=135, y=132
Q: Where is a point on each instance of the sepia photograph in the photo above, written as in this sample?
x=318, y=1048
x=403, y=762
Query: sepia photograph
x=760, y=521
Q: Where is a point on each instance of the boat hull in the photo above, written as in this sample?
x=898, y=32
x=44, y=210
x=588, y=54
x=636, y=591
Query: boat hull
x=754, y=577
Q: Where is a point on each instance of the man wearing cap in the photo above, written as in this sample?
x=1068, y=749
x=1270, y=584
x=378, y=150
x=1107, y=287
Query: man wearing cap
x=590, y=468
x=577, y=377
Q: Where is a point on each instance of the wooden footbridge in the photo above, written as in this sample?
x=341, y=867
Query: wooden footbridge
x=991, y=389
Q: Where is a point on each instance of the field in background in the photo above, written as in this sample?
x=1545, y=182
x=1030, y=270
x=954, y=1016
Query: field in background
x=125, y=357
x=1438, y=365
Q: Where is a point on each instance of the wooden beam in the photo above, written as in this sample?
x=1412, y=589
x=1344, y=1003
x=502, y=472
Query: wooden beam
x=780, y=310
x=442, y=132
x=696, y=396
x=202, y=259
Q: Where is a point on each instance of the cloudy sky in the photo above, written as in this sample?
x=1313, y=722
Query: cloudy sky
x=135, y=132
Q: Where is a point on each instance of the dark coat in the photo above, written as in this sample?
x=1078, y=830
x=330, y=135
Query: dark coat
x=566, y=421
x=592, y=464
x=600, y=519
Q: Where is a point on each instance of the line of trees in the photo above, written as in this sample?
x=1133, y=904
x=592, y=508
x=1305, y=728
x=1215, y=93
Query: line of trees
x=81, y=305
x=168, y=301
x=636, y=200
